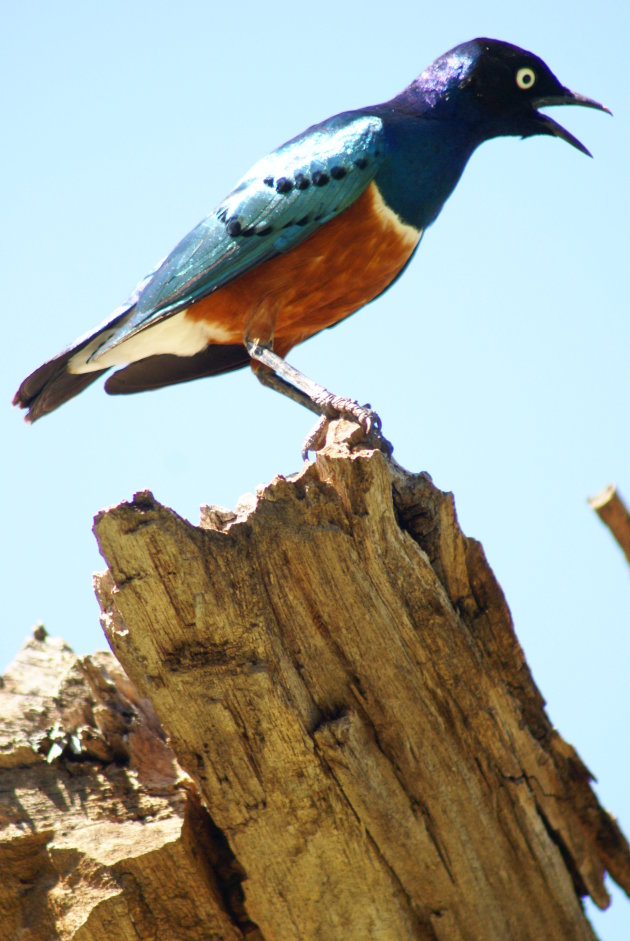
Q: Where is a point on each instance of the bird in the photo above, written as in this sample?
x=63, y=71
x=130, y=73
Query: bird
x=313, y=232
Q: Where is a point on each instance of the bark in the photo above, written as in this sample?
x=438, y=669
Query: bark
x=613, y=512
x=102, y=835
x=365, y=752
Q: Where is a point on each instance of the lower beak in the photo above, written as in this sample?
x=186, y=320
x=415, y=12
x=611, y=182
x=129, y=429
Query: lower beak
x=566, y=98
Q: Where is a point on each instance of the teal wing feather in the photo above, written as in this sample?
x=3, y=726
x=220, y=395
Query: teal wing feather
x=279, y=203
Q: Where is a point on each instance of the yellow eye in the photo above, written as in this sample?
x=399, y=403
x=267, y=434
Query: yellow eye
x=525, y=78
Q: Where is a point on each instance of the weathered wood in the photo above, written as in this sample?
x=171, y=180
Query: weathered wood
x=614, y=513
x=337, y=671
x=102, y=836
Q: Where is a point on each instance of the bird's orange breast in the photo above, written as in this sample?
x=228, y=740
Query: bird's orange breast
x=338, y=269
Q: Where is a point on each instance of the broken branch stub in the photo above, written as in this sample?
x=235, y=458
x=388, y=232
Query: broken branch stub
x=337, y=670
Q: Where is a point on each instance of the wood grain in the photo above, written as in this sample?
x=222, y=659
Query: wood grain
x=102, y=836
x=337, y=670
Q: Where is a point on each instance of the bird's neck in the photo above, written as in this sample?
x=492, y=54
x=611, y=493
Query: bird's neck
x=427, y=153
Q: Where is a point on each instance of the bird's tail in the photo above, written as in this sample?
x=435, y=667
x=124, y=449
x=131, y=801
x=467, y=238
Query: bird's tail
x=50, y=386
x=55, y=382
x=61, y=378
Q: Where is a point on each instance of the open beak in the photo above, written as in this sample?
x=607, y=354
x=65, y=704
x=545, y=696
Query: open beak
x=565, y=98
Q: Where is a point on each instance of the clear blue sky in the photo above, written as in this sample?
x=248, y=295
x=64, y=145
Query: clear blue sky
x=499, y=362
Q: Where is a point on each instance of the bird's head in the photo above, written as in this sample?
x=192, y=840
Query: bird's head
x=501, y=87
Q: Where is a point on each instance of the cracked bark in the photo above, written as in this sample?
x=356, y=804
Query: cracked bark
x=102, y=835
x=367, y=754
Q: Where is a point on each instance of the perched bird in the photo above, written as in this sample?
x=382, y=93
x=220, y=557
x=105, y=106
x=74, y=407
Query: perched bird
x=314, y=231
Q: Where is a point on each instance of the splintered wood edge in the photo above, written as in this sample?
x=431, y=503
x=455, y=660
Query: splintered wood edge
x=339, y=445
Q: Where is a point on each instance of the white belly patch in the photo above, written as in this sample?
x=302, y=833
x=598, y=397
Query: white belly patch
x=177, y=335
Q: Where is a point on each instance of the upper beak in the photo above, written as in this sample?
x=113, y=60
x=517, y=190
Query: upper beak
x=566, y=97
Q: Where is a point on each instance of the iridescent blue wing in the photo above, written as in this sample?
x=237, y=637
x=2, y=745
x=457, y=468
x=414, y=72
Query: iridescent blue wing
x=283, y=199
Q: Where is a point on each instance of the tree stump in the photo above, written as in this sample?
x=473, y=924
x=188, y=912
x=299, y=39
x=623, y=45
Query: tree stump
x=361, y=751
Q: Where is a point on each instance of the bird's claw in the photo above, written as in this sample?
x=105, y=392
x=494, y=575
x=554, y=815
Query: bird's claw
x=316, y=438
x=335, y=407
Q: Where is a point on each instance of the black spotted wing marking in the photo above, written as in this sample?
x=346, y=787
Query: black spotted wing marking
x=283, y=199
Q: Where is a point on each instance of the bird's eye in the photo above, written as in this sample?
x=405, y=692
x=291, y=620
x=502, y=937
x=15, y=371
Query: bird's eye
x=525, y=78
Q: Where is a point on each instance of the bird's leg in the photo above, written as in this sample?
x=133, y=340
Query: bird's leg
x=272, y=381
x=288, y=380
x=317, y=436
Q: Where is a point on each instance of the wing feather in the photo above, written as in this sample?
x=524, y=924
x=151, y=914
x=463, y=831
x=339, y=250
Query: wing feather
x=279, y=203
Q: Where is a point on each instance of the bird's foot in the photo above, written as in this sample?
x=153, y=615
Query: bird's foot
x=284, y=378
x=337, y=407
x=316, y=438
